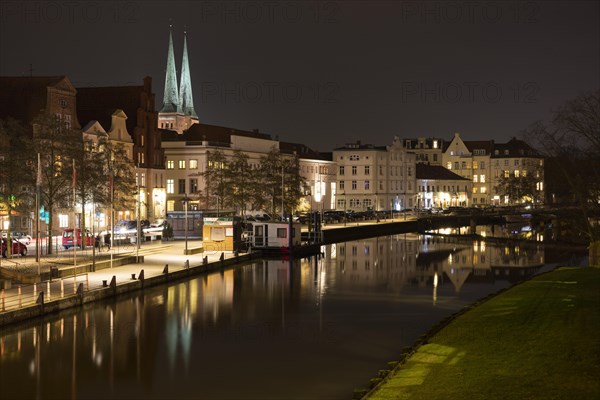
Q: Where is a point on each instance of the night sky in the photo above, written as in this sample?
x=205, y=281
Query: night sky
x=326, y=73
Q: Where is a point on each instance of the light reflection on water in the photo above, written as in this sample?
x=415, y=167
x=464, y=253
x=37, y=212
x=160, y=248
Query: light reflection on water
x=315, y=328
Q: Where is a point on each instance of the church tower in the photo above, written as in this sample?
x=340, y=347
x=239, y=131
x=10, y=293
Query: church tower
x=177, y=112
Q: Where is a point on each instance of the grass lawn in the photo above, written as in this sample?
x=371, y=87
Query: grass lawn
x=538, y=340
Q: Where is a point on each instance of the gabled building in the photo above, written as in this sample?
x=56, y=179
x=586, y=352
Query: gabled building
x=129, y=115
x=471, y=160
x=26, y=97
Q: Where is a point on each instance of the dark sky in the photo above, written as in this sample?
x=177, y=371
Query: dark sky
x=326, y=73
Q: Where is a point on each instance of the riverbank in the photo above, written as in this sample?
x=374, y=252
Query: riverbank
x=536, y=340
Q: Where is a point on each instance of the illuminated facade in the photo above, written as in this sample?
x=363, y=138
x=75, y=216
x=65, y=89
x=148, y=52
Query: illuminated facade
x=375, y=177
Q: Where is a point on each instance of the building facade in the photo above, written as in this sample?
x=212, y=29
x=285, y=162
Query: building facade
x=375, y=177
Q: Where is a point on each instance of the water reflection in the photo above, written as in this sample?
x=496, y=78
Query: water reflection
x=313, y=328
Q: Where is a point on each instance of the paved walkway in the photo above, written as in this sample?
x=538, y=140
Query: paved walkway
x=156, y=256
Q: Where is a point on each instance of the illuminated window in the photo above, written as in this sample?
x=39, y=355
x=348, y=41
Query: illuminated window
x=482, y=178
x=193, y=164
x=506, y=174
x=483, y=189
x=170, y=205
x=170, y=164
x=435, y=144
x=474, y=190
x=475, y=178
x=475, y=165
x=181, y=164
x=170, y=186
x=524, y=173
x=449, y=165
x=516, y=173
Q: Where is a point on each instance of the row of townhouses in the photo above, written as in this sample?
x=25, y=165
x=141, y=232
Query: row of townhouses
x=170, y=149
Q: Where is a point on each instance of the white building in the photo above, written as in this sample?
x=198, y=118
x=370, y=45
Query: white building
x=375, y=177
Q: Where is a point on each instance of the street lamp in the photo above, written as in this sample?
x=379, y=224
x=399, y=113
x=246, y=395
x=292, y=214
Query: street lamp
x=185, y=201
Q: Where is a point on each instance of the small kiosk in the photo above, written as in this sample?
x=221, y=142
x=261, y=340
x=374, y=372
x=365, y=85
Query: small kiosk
x=221, y=234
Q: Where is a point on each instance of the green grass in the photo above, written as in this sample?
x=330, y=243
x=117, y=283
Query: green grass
x=538, y=340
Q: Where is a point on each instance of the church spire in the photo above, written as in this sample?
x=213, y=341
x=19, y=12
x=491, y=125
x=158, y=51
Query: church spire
x=171, y=96
x=186, y=101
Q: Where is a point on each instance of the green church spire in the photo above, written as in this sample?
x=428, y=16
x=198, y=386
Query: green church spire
x=186, y=101
x=171, y=96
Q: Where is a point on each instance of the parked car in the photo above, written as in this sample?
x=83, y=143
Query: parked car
x=16, y=248
x=20, y=236
x=68, y=242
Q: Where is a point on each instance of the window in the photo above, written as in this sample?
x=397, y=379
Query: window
x=456, y=165
x=516, y=173
x=170, y=186
x=483, y=189
x=524, y=173
x=170, y=164
x=474, y=190
x=341, y=204
x=506, y=163
x=354, y=169
x=367, y=185
x=353, y=185
x=381, y=170
x=367, y=203
x=516, y=163
x=435, y=157
x=367, y=170
x=481, y=164
x=475, y=164
x=193, y=185
x=475, y=178
x=181, y=164
x=193, y=164
x=482, y=178
x=143, y=181
x=435, y=144
x=181, y=186
x=506, y=174
x=341, y=170
x=282, y=233
x=170, y=205
x=463, y=165
x=341, y=185
x=449, y=165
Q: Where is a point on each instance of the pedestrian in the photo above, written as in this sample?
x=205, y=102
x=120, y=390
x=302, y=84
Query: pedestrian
x=97, y=241
x=107, y=240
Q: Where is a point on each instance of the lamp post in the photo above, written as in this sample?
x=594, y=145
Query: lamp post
x=185, y=202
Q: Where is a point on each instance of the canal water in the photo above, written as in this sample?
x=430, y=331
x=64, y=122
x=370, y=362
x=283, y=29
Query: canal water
x=304, y=329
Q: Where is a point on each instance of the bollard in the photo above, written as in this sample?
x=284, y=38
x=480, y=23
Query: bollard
x=19, y=296
x=222, y=256
x=133, y=277
x=166, y=269
x=205, y=260
x=236, y=253
x=79, y=290
x=34, y=290
x=62, y=288
x=113, y=282
x=48, y=289
x=141, y=276
x=3, y=305
x=104, y=283
x=40, y=299
x=187, y=264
